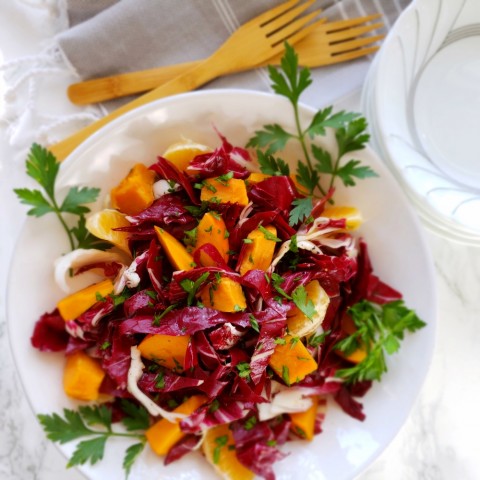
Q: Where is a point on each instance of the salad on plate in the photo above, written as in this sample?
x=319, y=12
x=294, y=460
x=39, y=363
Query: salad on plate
x=233, y=299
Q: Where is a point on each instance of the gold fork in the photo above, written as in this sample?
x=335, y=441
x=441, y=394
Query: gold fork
x=329, y=43
x=251, y=44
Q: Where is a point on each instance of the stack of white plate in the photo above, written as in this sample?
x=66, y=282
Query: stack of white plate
x=422, y=99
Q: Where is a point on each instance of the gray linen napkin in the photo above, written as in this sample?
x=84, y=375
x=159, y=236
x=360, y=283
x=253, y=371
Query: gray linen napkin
x=109, y=36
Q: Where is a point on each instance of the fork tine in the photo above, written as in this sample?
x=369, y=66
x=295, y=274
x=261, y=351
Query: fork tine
x=351, y=22
x=271, y=14
x=361, y=52
x=298, y=26
x=351, y=33
x=285, y=18
x=353, y=44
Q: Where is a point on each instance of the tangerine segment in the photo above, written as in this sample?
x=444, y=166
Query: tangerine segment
x=102, y=225
x=352, y=215
x=219, y=449
x=298, y=323
x=182, y=153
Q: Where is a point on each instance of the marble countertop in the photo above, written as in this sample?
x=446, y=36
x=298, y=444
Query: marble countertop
x=439, y=441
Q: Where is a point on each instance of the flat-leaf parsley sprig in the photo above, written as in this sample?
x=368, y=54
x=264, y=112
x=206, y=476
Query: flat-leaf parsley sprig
x=350, y=133
x=76, y=425
x=379, y=330
x=43, y=167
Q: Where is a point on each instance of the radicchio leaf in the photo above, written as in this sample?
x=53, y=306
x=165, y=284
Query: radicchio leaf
x=49, y=334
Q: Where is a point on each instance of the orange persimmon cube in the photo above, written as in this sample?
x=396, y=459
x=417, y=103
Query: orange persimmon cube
x=74, y=305
x=232, y=190
x=163, y=435
x=224, y=295
x=82, y=376
x=219, y=449
x=292, y=361
x=257, y=177
x=175, y=250
x=303, y=423
x=257, y=252
x=135, y=192
x=212, y=229
x=166, y=350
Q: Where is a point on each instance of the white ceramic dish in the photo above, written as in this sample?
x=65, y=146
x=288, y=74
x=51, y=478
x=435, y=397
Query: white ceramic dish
x=397, y=247
x=422, y=101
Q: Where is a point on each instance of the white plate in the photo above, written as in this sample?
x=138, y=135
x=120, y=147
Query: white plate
x=421, y=99
x=397, y=247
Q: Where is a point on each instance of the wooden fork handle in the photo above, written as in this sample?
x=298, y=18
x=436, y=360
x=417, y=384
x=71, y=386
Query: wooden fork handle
x=200, y=74
x=116, y=86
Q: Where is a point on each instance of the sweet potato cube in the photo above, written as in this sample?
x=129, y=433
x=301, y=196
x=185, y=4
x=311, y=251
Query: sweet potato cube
x=166, y=350
x=257, y=254
x=292, y=361
x=224, y=295
x=233, y=190
x=303, y=423
x=135, y=192
x=74, y=305
x=175, y=250
x=82, y=377
x=163, y=435
x=219, y=449
x=212, y=229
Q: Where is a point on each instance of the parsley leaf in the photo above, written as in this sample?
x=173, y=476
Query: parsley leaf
x=243, y=369
x=301, y=211
x=97, y=415
x=306, y=177
x=303, y=303
x=131, y=454
x=74, y=426
x=352, y=170
x=191, y=286
x=350, y=133
x=324, y=118
x=379, y=330
x=85, y=239
x=72, y=203
x=352, y=137
x=136, y=416
x=35, y=199
x=88, y=451
x=271, y=165
x=274, y=137
x=289, y=81
x=42, y=166
x=324, y=163
x=268, y=235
